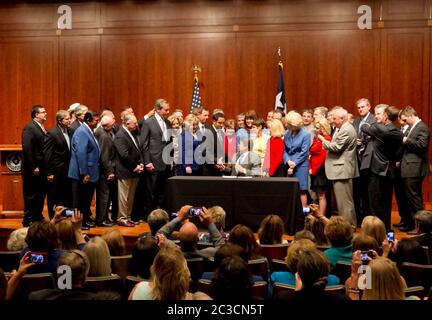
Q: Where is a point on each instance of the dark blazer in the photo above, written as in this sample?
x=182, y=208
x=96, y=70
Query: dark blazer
x=364, y=151
x=188, y=145
x=385, y=141
x=356, y=123
x=217, y=148
x=57, y=152
x=152, y=143
x=128, y=155
x=73, y=126
x=85, y=155
x=108, y=152
x=415, y=157
x=33, y=139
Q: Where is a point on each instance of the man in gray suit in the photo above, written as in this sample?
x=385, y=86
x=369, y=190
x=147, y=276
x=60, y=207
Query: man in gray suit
x=341, y=163
x=414, y=164
x=245, y=162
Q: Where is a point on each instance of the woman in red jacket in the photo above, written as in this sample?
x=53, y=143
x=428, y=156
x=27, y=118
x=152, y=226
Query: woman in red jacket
x=317, y=156
x=273, y=160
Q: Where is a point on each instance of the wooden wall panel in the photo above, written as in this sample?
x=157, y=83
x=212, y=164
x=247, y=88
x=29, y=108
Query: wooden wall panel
x=80, y=71
x=405, y=9
x=29, y=76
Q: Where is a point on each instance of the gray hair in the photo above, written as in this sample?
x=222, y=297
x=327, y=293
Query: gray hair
x=159, y=104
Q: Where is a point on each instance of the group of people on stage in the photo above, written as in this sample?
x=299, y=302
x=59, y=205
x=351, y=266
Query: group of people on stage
x=362, y=159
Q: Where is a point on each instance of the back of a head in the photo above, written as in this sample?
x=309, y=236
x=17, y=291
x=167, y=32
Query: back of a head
x=170, y=274
x=271, y=230
x=143, y=254
x=313, y=269
x=423, y=219
x=218, y=215
x=296, y=249
x=42, y=236
x=16, y=240
x=304, y=234
x=231, y=280
x=66, y=234
x=227, y=250
x=409, y=250
x=316, y=226
x=188, y=236
x=364, y=242
x=157, y=219
x=244, y=237
x=386, y=281
x=374, y=227
x=99, y=257
x=115, y=241
x=79, y=263
x=339, y=232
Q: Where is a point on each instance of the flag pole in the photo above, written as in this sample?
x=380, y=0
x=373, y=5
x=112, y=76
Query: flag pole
x=196, y=69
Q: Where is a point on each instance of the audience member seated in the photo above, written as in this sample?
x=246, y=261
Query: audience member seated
x=16, y=275
x=304, y=234
x=99, y=257
x=294, y=253
x=156, y=220
x=339, y=233
x=232, y=281
x=423, y=219
x=143, y=254
x=69, y=231
x=364, y=242
x=218, y=216
x=374, y=227
x=311, y=279
x=115, y=241
x=316, y=226
x=188, y=233
x=79, y=264
x=409, y=250
x=271, y=230
x=169, y=279
x=16, y=240
x=42, y=237
x=244, y=237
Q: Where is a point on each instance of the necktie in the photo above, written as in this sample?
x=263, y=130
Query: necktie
x=407, y=131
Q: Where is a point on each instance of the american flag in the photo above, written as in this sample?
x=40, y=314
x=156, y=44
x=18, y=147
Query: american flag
x=196, y=98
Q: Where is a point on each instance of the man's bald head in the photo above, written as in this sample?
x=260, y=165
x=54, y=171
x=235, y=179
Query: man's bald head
x=188, y=235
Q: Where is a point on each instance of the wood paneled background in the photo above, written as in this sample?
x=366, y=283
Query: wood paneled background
x=132, y=52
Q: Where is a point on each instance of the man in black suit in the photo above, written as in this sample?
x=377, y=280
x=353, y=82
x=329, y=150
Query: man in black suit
x=57, y=157
x=360, y=184
x=79, y=112
x=33, y=166
x=215, y=146
x=385, y=139
x=203, y=133
x=106, y=188
x=155, y=136
x=414, y=164
x=129, y=166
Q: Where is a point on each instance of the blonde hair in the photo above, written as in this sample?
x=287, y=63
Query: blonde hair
x=16, y=241
x=296, y=249
x=294, y=119
x=372, y=226
x=324, y=125
x=276, y=128
x=190, y=120
x=99, y=257
x=338, y=231
x=66, y=234
x=218, y=215
x=115, y=242
x=387, y=283
x=170, y=274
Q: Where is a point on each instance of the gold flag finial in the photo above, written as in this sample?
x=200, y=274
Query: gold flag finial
x=196, y=69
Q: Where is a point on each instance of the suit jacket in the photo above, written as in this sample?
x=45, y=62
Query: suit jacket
x=385, y=141
x=189, y=156
x=252, y=164
x=73, y=126
x=364, y=150
x=341, y=161
x=108, y=152
x=217, y=148
x=356, y=123
x=415, y=157
x=85, y=155
x=128, y=155
x=56, y=151
x=152, y=143
x=33, y=139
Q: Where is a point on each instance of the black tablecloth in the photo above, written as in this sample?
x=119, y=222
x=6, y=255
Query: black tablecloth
x=245, y=200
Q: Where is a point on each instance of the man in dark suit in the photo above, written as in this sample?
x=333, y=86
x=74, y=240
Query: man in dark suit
x=215, y=146
x=79, y=112
x=245, y=162
x=385, y=139
x=155, y=136
x=414, y=164
x=129, y=165
x=204, y=135
x=360, y=184
x=106, y=188
x=33, y=166
x=57, y=157
x=84, y=166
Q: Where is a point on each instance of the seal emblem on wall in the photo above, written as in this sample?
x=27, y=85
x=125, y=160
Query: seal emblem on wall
x=14, y=162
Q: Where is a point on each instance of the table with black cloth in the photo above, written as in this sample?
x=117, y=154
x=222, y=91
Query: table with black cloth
x=245, y=200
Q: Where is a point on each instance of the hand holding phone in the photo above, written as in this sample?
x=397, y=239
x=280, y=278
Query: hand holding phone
x=38, y=257
x=68, y=212
x=306, y=211
x=195, y=212
x=390, y=236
